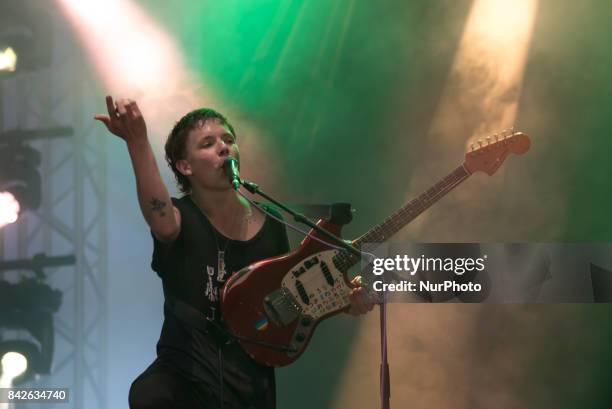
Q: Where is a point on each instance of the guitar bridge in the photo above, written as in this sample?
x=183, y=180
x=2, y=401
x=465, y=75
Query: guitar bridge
x=281, y=307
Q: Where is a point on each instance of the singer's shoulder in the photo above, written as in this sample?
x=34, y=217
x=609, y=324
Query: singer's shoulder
x=183, y=203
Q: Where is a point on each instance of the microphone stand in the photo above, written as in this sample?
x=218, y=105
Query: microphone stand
x=385, y=384
x=300, y=218
x=385, y=377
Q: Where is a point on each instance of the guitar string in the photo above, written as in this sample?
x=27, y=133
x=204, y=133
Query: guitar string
x=300, y=231
x=295, y=228
x=439, y=194
x=442, y=192
x=436, y=197
x=403, y=210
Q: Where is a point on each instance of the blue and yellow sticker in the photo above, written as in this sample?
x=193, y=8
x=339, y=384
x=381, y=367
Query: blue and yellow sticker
x=262, y=323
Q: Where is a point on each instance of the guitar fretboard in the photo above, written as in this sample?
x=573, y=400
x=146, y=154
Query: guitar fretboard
x=392, y=224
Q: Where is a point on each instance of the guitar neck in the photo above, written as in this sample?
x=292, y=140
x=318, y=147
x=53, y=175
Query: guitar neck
x=410, y=211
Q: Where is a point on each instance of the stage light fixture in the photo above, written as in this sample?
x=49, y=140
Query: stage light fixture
x=20, y=362
x=8, y=59
x=25, y=36
x=13, y=364
x=28, y=307
x=20, y=181
x=9, y=208
x=30, y=295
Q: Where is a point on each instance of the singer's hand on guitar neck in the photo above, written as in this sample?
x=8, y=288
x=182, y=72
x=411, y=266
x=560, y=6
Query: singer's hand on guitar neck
x=359, y=301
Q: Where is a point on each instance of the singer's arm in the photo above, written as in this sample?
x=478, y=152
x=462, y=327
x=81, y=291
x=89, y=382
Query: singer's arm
x=127, y=122
x=155, y=204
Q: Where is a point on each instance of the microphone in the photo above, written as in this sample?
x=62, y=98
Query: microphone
x=230, y=167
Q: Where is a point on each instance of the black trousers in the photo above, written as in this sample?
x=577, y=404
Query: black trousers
x=161, y=386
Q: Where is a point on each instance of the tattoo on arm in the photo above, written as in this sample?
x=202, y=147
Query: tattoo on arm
x=158, y=206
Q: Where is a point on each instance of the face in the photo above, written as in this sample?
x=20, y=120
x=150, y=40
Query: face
x=207, y=146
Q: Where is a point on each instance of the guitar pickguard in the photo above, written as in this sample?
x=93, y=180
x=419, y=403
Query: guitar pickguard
x=317, y=286
x=313, y=288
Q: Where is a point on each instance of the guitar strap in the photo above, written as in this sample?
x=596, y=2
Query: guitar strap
x=192, y=317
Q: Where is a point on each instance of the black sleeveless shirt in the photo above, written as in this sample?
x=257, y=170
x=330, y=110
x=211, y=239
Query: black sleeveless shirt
x=192, y=272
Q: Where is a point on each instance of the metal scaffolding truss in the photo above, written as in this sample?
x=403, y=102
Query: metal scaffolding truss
x=72, y=218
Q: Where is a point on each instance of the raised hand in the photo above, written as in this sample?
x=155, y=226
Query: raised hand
x=124, y=120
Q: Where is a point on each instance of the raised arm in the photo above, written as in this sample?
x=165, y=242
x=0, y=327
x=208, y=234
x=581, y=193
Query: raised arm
x=126, y=121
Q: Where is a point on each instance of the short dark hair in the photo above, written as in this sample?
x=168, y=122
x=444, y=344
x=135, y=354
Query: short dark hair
x=176, y=142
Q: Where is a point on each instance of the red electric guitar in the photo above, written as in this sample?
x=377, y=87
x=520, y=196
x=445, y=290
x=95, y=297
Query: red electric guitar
x=273, y=306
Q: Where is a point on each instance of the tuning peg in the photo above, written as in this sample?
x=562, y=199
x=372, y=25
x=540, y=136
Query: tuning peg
x=480, y=143
x=488, y=140
x=472, y=146
x=496, y=137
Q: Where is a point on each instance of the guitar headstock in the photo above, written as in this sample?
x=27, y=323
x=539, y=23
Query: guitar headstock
x=488, y=156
